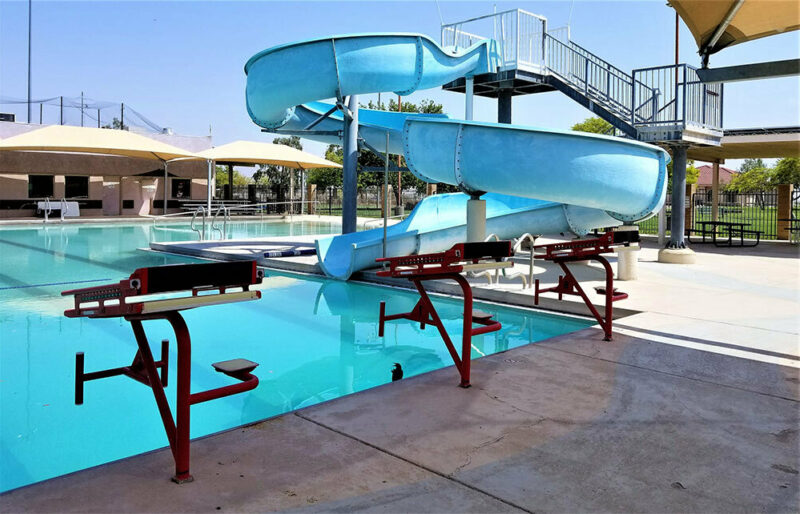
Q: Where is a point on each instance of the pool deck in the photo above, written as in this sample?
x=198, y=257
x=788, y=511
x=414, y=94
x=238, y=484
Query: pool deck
x=693, y=407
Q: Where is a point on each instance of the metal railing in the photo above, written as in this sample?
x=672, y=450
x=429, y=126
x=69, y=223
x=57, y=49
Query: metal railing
x=202, y=231
x=527, y=282
x=47, y=209
x=758, y=210
x=649, y=97
x=682, y=98
x=597, y=79
x=226, y=216
x=518, y=35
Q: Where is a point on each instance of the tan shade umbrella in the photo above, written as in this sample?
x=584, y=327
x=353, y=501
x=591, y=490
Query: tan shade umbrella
x=716, y=24
x=250, y=152
x=64, y=138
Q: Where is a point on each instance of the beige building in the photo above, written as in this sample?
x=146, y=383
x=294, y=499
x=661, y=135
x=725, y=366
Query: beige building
x=102, y=185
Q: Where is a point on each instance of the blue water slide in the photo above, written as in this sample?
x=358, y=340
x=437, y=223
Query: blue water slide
x=539, y=181
x=439, y=221
x=282, y=77
x=372, y=125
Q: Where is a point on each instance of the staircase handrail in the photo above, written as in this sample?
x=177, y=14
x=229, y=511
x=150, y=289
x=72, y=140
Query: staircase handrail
x=622, y=101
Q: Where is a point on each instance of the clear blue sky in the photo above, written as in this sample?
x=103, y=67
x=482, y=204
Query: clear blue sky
x=181, y=63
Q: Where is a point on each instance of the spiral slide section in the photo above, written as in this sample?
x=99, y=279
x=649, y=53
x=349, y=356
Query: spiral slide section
x=539, y=181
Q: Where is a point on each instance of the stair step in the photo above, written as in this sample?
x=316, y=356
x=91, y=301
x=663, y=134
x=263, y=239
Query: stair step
x=235, y=366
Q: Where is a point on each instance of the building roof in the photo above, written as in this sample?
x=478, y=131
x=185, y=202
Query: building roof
x=707, y=171
x=751, y=143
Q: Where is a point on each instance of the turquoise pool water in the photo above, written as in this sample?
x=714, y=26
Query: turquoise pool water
x=315, y=339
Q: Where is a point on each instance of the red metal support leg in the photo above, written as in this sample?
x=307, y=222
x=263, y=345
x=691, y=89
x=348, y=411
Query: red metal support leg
x=609, y=294
x=182, y=414
x=466, y=337
x=427, y=305
x=155, y=382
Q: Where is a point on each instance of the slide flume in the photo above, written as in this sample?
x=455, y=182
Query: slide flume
x=539, y=180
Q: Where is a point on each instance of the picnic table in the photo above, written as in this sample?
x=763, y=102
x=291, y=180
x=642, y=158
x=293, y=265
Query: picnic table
x=733, y=230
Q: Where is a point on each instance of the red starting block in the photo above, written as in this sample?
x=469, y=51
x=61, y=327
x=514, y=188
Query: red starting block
x=448, y=265
x=585, y=249
x=209, y=284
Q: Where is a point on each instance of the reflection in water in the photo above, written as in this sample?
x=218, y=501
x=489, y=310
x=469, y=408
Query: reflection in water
x=364, y=360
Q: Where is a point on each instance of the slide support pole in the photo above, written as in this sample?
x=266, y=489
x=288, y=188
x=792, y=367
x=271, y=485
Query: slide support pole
x=677, y=222
x=468, y=105
x=350, y=163
x=476, y=219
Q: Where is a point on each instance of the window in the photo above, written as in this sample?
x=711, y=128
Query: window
x=181, y=188
x=40, y=186
x=76, y=187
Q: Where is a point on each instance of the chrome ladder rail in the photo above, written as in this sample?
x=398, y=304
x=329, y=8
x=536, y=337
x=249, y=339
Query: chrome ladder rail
x=200, y=233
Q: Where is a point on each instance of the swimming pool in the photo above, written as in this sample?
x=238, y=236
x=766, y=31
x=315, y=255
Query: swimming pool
x=315, y=339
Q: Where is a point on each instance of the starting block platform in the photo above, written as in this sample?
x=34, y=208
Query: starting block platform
x=448, y=265
x=206, y=285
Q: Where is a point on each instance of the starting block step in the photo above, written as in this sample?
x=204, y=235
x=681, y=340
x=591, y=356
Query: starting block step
x=235, y=366
x=480, y=315
x=616, y=295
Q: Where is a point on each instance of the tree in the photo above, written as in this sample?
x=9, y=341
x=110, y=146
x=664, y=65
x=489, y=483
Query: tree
x=752, y=180
x=277, y=176
x=116, y=124
x=594, y=125
x=750, y=164
x=327, y=177
x=407, y=178
x=787, y=171
x=221, y=177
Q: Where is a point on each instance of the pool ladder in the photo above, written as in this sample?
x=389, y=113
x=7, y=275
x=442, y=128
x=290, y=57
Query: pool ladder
x=201, y=232
x=226, y=216
x=527, y=281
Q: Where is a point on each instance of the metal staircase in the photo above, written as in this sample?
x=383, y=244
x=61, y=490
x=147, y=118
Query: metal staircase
x=659, y=104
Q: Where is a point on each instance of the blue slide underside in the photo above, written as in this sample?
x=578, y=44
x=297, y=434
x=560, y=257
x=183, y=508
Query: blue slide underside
x=539, y=180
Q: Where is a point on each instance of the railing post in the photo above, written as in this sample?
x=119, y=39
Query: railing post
x=544, y=43
x=633, y=97
x=586, y=75
x=683, y=113
x=516, y=57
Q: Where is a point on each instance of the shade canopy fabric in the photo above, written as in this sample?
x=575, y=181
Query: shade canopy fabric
x=250, y=152
x=65, y=138
x=716, y=24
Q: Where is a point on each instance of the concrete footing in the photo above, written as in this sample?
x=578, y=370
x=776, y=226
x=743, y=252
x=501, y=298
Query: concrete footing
x=676, y=256
x=627, y=262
